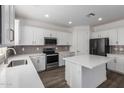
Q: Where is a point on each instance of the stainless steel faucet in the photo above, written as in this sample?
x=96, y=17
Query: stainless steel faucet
x=6, y=57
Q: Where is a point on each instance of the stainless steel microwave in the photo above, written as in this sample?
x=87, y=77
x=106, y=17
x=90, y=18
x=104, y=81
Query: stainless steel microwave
x=50, y=41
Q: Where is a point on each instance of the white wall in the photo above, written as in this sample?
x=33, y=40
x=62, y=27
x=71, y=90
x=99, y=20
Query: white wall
x=112, y=25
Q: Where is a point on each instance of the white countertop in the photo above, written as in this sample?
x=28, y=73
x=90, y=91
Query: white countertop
x=24, y=76
x=88, y=61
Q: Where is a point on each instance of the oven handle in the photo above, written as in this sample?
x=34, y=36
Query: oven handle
x=52, y=55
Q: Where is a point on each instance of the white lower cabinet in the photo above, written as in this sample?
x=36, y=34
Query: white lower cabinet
x=112, y=65
x=63, y=55
x=120, y=65
x=117, y=64
x=39, y=62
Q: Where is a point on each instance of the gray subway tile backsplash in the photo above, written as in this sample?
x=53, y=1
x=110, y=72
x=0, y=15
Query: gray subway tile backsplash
x=117, y=49
x=38, y=49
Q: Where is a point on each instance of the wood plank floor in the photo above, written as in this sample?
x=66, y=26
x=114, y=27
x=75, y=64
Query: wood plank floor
x=55, y=78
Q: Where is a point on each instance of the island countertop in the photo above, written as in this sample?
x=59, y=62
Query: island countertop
x=88, y=61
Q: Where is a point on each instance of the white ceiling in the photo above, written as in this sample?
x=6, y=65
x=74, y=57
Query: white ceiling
x=61, y=14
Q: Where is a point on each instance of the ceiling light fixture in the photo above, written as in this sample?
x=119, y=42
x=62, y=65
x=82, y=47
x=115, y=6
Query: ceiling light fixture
x=100, y=19
x=47, y=16
x=70, y=22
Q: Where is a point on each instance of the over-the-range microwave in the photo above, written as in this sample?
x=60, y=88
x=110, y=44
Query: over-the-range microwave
x=50, y=41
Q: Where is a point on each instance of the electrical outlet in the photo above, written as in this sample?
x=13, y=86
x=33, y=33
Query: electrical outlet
x=23, y=49
x=115, y=48
x=38, y=49
x=56, y=48
x=121, y=49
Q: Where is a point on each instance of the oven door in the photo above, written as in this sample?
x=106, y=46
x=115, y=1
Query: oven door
x=52, y=58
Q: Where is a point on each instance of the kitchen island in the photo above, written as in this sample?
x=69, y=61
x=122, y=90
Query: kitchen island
x=85, y=71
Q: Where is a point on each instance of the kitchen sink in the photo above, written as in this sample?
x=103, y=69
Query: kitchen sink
x=17, y=63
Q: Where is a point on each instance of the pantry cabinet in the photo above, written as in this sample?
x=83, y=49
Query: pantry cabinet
x=80, y=38
x=8, y=31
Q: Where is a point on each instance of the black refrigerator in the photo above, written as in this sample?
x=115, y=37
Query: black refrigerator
x=99, y=46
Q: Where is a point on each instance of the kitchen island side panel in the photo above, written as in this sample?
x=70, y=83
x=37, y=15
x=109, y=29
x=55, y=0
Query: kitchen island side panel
x=78, y=76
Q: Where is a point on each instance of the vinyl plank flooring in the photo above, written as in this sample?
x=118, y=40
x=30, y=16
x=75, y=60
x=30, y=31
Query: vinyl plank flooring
x=55, y=78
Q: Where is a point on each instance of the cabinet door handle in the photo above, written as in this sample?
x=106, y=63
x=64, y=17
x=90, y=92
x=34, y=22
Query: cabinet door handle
x=11, y=35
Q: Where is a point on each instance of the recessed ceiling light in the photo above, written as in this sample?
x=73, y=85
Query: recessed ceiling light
x=46, y=15
x=100, y=19
x=70, y=22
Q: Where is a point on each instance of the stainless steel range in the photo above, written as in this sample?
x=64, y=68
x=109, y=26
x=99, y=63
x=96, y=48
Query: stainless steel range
x=52, y=58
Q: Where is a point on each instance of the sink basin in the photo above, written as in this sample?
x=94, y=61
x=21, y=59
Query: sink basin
x=17, y=63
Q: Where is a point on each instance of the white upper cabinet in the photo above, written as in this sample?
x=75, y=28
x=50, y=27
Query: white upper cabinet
x=120, y=36
x=48, y=33
x=99, y=34
x=27, y=36
x=64, y=38
x=17, y=32
x=113, y=37
x=30, y=35
x=8, y=17
x=111, y=34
